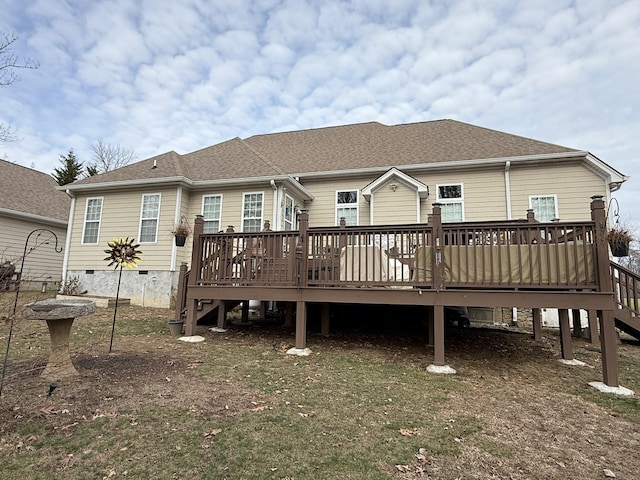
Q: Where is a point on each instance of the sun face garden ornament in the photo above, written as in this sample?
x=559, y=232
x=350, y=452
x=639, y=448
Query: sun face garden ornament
x=122, y=253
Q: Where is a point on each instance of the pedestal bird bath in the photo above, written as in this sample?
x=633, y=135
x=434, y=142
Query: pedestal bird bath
x=59, y=315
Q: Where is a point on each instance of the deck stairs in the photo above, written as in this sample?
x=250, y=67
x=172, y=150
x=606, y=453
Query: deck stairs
x=208, y=309
x=626, y=288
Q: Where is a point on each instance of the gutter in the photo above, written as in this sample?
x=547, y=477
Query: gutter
x=67, y=241
x=35, y=218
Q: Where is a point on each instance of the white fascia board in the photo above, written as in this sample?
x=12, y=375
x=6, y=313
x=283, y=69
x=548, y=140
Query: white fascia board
x=33, y=218
x=199, y=184
x=457, y=164
x=421, y=188
x=614, y=178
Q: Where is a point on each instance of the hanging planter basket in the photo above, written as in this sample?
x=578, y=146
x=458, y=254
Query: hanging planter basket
x=181, y=231
x=619, y=240
x=180, y=240
x=619, y=249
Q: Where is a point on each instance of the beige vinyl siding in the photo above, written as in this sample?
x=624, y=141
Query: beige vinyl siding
x=572, y=182
x=121, y=218
x=42, y=262
x=322, y=210
x=392, y=208
x=231, y=213
x=484, y=193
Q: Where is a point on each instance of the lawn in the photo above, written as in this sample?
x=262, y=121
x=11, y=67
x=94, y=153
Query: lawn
x=362, y=406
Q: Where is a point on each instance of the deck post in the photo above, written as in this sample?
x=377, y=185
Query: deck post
x=537, y=324
x=577, y=322
x=301, y=325
x=194, y=276
x=566, y=348
x=288, y=314
x=302, y=250
x=430, y=332
x=438, y=242
x=245, y=312
x=609, y=348
x=182, y=291
x=325, y=321
x=222, y=314
x=438, y=335
x=594, y=336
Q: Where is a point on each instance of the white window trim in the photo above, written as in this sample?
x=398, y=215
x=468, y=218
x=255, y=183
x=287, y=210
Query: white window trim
x=293, y=213
x=347, y=205
x=84, y=221
x=451, y=200
x=211, y=219
x=242, y=217
x=157, y=218
x=555, y=202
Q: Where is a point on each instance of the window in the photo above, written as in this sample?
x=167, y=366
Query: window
x=150, y=212
x=452, y=199
x=545, y=207
x=211, y=210
x=289, y=214
x=92, y=216
x=252, y=212
x=347, y=206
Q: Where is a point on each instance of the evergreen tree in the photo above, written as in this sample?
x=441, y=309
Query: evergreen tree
x=70, y=171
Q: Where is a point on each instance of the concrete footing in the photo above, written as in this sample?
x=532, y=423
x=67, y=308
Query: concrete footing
x=192, y=339
x=572, y=362
x=217, y=330
x=441, y=369
x=301, y=352
x=615, y=390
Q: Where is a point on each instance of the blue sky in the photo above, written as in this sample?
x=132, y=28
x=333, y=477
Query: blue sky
x=155, y=75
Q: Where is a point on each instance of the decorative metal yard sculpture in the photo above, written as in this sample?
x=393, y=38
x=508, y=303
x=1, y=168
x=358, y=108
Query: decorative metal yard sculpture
x=122, y=253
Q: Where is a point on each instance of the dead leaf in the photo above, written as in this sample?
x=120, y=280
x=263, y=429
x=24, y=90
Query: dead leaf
x=406, y=432
x=49, y=410
x=608, y=473
x=259, y=408
x=212, y=433
x=402, y=468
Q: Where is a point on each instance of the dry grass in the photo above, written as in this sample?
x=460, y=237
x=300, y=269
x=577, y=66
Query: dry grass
x=361, y=407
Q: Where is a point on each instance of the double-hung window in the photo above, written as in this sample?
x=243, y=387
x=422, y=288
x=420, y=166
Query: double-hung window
x=545, y=207
x=347, y=206
x=211, y=211
x=252, y=204
x=289, y=214
x=451, y=198
x=92, y=217
x=149, y=216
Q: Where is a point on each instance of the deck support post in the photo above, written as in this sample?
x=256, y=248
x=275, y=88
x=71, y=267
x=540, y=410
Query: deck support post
x=325, y=321
x=609, y=348
x=577, y=323
x=594, y=336
x=537, y=324
x=288, y=314
x=192, y=317
x=438, y=335
x=301, y=325
x=566, y=348
x=222, y=314
x=245, y=311
x=430, y=323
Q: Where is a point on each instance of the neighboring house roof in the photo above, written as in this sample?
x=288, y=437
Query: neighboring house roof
x=27, y=192
x=338, y=149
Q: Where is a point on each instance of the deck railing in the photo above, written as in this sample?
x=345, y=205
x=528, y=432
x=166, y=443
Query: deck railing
x=521, y=254
x=626, y=288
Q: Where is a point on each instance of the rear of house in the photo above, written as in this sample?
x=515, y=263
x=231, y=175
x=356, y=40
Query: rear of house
x=368, y=174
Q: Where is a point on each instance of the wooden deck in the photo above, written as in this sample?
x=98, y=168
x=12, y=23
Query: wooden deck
x=482, y=264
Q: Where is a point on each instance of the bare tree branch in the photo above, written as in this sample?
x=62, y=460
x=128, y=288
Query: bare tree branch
x=107, y=157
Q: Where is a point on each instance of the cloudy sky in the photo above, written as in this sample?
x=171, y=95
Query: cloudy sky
x=159, y=75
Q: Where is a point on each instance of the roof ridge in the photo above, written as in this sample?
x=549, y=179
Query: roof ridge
x=328, y=127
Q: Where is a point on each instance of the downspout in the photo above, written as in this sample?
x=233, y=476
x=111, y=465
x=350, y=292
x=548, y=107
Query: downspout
x=418, y=206
x=67, y=242
x=276, y=205
x=507, y=187
x=176, y=216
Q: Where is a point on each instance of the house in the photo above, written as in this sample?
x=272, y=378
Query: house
x=31, y=207
x=370, y=174
x=432, y=214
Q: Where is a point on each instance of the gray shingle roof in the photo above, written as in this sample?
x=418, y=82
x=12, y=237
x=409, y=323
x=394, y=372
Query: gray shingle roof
x=28, y=191
x=347, y=147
